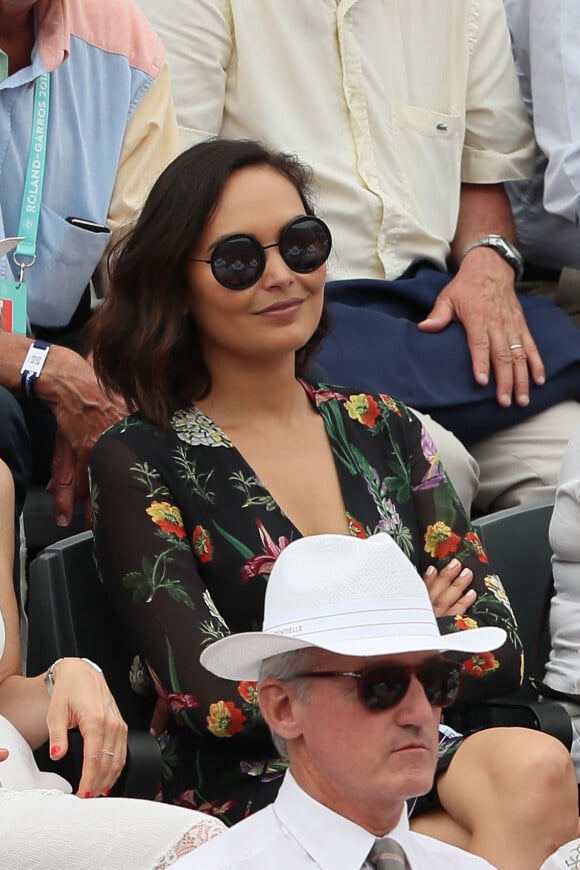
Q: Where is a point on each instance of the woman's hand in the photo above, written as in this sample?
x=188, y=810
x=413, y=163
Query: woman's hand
x=447, y=589
x=81, y=698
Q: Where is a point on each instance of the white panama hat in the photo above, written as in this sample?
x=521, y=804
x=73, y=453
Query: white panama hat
x=353, y=596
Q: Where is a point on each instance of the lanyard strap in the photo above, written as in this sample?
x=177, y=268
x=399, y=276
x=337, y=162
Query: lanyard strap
x=32, y=197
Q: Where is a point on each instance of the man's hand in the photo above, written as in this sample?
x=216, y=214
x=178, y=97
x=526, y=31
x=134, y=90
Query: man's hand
x=82, y=412
x=483, y=299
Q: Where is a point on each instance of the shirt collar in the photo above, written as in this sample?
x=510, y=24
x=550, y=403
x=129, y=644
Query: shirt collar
x=53, y=41
x=344, y=844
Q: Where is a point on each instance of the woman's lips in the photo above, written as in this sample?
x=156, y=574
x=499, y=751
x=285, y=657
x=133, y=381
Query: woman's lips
x=284, y=306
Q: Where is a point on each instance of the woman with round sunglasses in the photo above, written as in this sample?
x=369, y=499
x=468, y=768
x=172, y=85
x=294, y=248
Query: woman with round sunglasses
x=233, y=450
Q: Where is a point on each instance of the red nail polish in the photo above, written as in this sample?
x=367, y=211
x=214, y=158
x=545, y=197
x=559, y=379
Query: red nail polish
x=87, y=794
x=107, y=792
x=54, y=750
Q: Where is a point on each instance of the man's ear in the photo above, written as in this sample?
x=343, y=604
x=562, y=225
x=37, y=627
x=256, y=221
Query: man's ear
x=281, y=708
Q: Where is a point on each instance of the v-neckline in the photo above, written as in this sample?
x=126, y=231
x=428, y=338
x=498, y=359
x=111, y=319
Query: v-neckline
x=216, y=437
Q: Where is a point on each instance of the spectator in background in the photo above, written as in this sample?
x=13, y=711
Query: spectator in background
x=106, y=126
x=562, y=677
x=411, y=119
x=547, y=206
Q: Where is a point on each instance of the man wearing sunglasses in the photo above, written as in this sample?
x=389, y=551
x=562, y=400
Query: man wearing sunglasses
x=351, y=684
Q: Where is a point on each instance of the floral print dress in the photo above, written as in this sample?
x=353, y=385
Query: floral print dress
x=186, y=536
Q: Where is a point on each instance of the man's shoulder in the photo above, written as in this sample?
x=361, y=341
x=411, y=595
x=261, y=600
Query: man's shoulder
x=131, y=35
x=250, y=843
x=438, y=855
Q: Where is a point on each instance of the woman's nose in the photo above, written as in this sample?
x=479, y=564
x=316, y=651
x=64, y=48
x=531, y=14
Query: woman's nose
x=276, y=271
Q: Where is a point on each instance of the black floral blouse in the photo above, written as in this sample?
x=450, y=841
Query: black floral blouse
x=186, y=536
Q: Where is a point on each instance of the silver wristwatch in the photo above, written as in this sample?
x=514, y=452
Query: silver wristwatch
x=506, y=249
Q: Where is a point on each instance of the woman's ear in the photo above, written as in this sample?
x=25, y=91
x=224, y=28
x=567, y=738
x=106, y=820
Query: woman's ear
x=281, y=707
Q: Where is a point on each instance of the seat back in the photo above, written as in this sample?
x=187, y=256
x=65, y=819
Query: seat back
x=69, y=614
x=517, y=544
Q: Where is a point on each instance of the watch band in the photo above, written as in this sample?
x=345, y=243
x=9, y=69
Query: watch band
x=502, y=246
x=32, y=366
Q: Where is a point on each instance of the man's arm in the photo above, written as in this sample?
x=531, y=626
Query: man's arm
x=68, y=383
x=69, y=387
x=482, y=297
x=197, y=39
x=555, y=85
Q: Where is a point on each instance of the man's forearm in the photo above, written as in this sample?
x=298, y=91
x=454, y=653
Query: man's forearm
x=13, y=349
x=484, y=209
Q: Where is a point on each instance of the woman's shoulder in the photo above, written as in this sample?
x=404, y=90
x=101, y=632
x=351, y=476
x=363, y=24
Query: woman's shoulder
x=358, y=403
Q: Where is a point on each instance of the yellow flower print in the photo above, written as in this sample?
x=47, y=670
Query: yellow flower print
x=167, y=517
x=362, y=408
x=225, y=719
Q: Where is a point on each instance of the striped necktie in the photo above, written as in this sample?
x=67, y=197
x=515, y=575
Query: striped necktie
x=386, y=854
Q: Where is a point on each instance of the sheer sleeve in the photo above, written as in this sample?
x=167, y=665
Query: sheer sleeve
x=445, y=534
x=148, y=563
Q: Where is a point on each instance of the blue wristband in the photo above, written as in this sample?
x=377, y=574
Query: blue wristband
x=32, y=366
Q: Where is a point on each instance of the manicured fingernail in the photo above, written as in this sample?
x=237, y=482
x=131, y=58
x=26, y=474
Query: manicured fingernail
x=506, y=400
x=454, y=563
x=465, y=572
x=87, y=794
x=61, y=521
x=541, y=380
x=430, y=571
x=107, y=792
x=523, y=399
x=54, y=750
x=482, y=379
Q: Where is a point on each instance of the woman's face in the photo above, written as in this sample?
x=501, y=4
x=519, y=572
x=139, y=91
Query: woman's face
x=279, y=313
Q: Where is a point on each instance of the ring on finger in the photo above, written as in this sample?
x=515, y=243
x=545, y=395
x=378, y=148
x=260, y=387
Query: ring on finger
x=516, y=346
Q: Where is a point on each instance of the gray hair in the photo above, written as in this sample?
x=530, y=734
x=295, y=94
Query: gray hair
x=285, y=667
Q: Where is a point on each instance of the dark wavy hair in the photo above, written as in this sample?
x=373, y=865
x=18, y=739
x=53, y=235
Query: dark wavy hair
x=146, y=346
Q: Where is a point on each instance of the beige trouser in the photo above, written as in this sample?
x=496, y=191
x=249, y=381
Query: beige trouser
x=519, y=465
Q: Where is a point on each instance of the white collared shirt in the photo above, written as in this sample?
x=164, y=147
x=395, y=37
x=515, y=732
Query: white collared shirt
x=547, y=207
x=393, y=103
x=298, y=833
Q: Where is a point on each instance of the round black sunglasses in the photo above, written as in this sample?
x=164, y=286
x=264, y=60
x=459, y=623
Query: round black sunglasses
x=384, y=686
x=238, y=261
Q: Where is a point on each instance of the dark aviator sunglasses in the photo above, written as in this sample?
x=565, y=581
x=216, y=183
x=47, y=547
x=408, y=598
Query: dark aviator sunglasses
x=238, y=261
x=384, y=686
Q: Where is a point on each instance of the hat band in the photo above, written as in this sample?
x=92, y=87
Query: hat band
x=404, y=616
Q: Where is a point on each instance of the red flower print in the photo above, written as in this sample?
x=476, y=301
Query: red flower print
x=481, y=664
x=464, y=622
x=440, y=540
x=225, y=719
x=167, y=517
x=202, y=545
x=177, y=701
x=263, y=564
x=477, y=546
x=249, y=691
x=355, y=528
x=391, y=404
x=362, y=408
